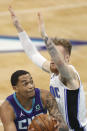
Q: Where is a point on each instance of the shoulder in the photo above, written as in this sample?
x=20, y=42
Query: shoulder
x=7, y=116
x=74, y=72
x=72, y=68
x=44, y=92
x=74, y=82
x=5, y=105
x=6, y=111
x=45, y=96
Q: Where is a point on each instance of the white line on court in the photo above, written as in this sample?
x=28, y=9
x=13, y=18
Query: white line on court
x=49, y=8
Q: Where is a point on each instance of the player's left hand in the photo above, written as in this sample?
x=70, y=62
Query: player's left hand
x=56, y=124
x=31, y=129
x=41, y=25
x=15, y=20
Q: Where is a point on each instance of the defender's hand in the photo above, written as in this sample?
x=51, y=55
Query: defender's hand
x=41, y=25
x=15, y=20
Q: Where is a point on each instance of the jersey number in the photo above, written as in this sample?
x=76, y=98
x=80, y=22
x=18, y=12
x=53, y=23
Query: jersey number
x=55, y=91
x=23, y=124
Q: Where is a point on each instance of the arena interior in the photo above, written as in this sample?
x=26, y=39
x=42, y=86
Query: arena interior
x=63, y=18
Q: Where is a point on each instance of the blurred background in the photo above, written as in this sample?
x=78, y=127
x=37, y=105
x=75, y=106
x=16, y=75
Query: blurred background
x=63, y=19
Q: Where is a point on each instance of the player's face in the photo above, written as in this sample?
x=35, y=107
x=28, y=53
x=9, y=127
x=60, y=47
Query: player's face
x=25, y=86
x=53, y=67
x=52, y=64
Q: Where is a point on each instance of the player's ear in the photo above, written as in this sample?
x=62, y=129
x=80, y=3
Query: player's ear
x=15, y=88
x=67, y=58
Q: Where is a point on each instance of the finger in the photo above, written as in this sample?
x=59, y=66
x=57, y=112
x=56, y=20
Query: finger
x=41, y=23
x=31, y=129
x=55, y=122
x=40, y=18
x=38, y=14
x=56, y=125
x=11, y=11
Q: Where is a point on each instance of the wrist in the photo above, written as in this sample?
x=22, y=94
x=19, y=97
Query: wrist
x=19, y=28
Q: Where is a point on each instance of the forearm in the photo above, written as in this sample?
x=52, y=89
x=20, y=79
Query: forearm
x=57, y=58
x=53, y=110
x=18, y=28
x=9, y=126
x=10, y=129
x=58, y=116
x=31, y=50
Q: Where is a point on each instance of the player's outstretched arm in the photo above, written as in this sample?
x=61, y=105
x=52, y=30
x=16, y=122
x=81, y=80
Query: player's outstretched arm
x=50, y=103
x=28, y=46
x=41, y=25
x=65, y=70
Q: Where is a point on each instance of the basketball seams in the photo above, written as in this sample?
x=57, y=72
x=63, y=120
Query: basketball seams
x=35, y=127
x=42, y=127
x=43, y=122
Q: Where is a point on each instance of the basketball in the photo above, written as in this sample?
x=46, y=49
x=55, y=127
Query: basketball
x=42, y=122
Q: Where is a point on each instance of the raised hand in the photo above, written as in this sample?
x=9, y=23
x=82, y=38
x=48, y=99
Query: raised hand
x=41, y=25
x=15, y=20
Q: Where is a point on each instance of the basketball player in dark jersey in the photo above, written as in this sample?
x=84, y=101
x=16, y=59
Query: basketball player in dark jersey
x=20, y=108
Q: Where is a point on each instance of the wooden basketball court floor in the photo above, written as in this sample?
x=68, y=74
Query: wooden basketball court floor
x=64, y=19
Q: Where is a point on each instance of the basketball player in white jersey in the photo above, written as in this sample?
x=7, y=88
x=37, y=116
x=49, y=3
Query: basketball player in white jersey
x=65, y=84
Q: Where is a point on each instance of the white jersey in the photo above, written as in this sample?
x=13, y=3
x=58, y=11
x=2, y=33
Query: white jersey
x=71, y=103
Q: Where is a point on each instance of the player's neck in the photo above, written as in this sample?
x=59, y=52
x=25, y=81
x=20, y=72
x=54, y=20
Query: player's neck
x=56, y=72
x=25, y=102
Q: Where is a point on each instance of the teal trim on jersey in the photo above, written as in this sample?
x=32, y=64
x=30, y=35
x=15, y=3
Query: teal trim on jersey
x=41, y=100
x=16, y=100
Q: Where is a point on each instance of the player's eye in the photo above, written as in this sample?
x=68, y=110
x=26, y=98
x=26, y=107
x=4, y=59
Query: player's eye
x=29, y=82
x=25, y=83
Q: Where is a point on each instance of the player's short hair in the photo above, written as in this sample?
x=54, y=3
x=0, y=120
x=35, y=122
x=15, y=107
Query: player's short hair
x=65, y=43
x=15, y=75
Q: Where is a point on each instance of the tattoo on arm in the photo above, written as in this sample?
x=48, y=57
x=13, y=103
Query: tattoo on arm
x=49, y=102
x=53, y=108
x=58, y=59
x=54, y=112
x=50, y=46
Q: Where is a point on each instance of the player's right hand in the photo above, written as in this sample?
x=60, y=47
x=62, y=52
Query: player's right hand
x=31, y=129
x=13, y=16
x=15, y=20
x=41, y=25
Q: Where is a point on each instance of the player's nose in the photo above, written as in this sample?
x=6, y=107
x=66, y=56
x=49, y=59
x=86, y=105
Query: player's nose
x=30, y=86
x=52, y=61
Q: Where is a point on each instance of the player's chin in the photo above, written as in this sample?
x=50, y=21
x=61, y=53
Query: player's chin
x=31, y=94
x=53, y=69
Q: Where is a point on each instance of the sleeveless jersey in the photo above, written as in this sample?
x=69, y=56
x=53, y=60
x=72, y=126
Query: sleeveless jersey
x=24, y=117
x=71, y=103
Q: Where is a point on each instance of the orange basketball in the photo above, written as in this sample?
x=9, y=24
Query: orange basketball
x=42, y=122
